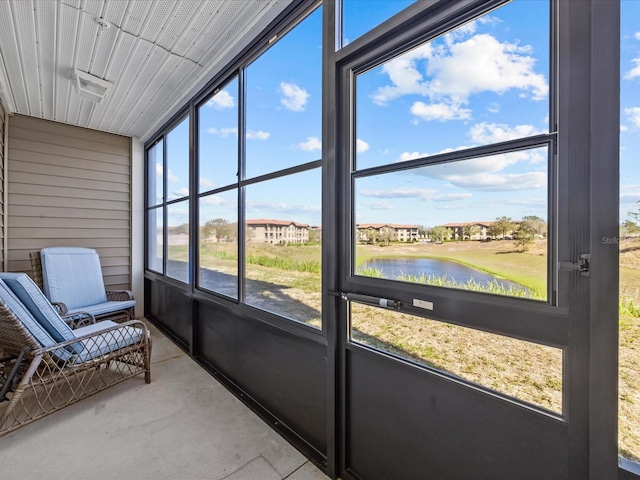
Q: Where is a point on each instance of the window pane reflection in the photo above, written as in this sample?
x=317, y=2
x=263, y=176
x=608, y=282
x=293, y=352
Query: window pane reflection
x=483, y=83
x=283, y=253
x=178, y=241
x=156, y=240
x=155, y=185
x=178, y=161
x=524, y=370
x=219, y=243
x=218, y=139
x=458, y=225
x=284, y=101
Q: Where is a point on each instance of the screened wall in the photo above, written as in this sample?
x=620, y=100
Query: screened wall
x=388, y=228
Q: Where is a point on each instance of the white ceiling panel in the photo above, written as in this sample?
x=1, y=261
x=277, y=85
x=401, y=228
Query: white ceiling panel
x=107, y=39
x=67, y=28
x=136, y=13
x=46, y=40
x=157, y=18
x=175, y=28
x=26, y=29
x=157, y=53
x=93, y=7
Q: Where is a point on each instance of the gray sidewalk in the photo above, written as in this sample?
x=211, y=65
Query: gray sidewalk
x=184, y=425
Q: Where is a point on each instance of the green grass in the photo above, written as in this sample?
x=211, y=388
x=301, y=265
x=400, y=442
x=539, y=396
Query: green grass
x=493, y=287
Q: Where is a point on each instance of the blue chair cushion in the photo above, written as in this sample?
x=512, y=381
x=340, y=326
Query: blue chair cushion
x=106, y=307
x=72, y=275
x=106, y=342
x=33, y=327
x=40, y=308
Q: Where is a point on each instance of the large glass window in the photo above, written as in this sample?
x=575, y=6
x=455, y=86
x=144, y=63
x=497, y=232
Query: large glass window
x=283, y=256
x=219, y=242
x=629, y=362
x=270, y=216
x=527, y=371
x=155, y=180
x=218, y=139
x=168, y=192
x=457, y=130
x=284, y=101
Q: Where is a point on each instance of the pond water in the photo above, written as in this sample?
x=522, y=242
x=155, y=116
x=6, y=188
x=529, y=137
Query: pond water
x=431, y=267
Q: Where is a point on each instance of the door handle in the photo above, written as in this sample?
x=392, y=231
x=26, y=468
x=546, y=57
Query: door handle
x=368, y=299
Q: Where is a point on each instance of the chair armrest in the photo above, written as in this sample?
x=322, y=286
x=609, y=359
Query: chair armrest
x=119, y=295
x=60, y=308
x=79, y=319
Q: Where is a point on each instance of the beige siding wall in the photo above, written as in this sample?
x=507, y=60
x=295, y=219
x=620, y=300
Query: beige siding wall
x=3, y=220
x=69, y=186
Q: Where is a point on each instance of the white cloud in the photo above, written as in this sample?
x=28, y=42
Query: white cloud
x=275, y=207
x=485, y=133
x=633, y=113
x=171, y=178
x=213, y=200
x=404, y=76
x=181, y=192
x=223, y=132
x=494, y=107
x=257, y=135
x=207, y=183
x=458, y=69
x=293, y=97
x=635, y=71
x=312, y=143
x=440, y=111
x=482, y=63
x=451, y=197
x=401, y=192
x=226, y=132
x=384, y=205
x=159, y=170
x=624, y=128
x=500, y=182
x=221, y=100
x=361, y=146
x=629, y=193
x=636, y=35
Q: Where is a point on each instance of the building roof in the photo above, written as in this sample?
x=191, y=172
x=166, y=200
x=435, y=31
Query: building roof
x=380, y=225
x=282, y=223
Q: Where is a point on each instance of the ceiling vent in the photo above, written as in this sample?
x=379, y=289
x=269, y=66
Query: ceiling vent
x=91, y=87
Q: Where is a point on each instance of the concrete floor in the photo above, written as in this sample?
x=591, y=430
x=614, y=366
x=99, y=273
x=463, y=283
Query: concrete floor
x=182, y=426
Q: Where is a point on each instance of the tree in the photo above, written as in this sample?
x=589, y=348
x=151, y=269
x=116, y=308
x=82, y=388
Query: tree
x=524, y=234
x=440, y=234
x=493, y=230
x=503, y=225
x=629, y=229
x=538, y=224
x=372, y=236
x=314, y=235
x=469, y=230
x=221, y=229
x=636, y=215
x=388, y=235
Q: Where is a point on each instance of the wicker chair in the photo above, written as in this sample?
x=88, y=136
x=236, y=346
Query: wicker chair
x=42, y=372
x=116, y=305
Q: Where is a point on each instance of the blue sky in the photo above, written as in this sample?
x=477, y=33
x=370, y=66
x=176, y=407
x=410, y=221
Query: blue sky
x=485, y=82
